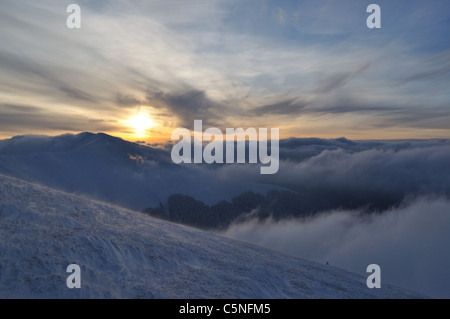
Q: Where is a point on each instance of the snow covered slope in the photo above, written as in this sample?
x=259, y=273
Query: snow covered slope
x=125, y=254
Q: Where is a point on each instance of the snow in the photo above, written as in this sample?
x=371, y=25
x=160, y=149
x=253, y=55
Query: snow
x=126, y=254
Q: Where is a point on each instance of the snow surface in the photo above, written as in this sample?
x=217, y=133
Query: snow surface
x=126, y=254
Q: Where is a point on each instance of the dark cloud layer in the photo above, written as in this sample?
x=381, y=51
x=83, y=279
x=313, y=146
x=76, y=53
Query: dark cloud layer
x=21, y=118
x=375, y=174
x=287, y=107
x=188, y=106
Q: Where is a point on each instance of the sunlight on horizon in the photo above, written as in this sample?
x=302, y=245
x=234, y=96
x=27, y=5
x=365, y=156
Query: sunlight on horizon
x=140, y=123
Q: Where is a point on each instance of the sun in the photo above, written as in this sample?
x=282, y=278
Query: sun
x=141, y=122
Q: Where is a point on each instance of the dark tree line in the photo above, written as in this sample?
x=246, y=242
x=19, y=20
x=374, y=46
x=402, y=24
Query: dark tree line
x=277, y=204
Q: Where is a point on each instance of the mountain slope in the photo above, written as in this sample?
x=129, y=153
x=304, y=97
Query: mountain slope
x=110, y=169
x=123, y=254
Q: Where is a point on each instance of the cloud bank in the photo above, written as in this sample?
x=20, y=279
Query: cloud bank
x=410, y=243
x=358, y=174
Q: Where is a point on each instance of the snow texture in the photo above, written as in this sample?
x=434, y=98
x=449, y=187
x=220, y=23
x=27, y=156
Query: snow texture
x=126, y=254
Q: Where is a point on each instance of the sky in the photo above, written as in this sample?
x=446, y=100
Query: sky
x=139, y=69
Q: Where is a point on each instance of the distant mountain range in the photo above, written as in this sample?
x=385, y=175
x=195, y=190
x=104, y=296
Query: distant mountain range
x=111, y=169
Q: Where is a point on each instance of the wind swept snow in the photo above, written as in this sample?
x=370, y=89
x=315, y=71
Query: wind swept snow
x=125, y=254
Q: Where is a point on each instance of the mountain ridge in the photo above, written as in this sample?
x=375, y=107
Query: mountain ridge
x=110, y=169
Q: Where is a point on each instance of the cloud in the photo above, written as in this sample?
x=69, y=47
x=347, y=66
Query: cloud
x=287, y=107
x=434, y=66
x=353, y=174
x=77, y=94
x=387, y=203
x=409, y=243
x=20, y=119
x=128, y=100
x=189, y=106
x=137, y=158
x=426, y=74
x=188, y=57
x=337, y=80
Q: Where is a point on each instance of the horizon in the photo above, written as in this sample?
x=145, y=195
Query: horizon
x=165, y=142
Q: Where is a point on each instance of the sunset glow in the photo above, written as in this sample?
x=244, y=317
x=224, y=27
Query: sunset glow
x=140, y=123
